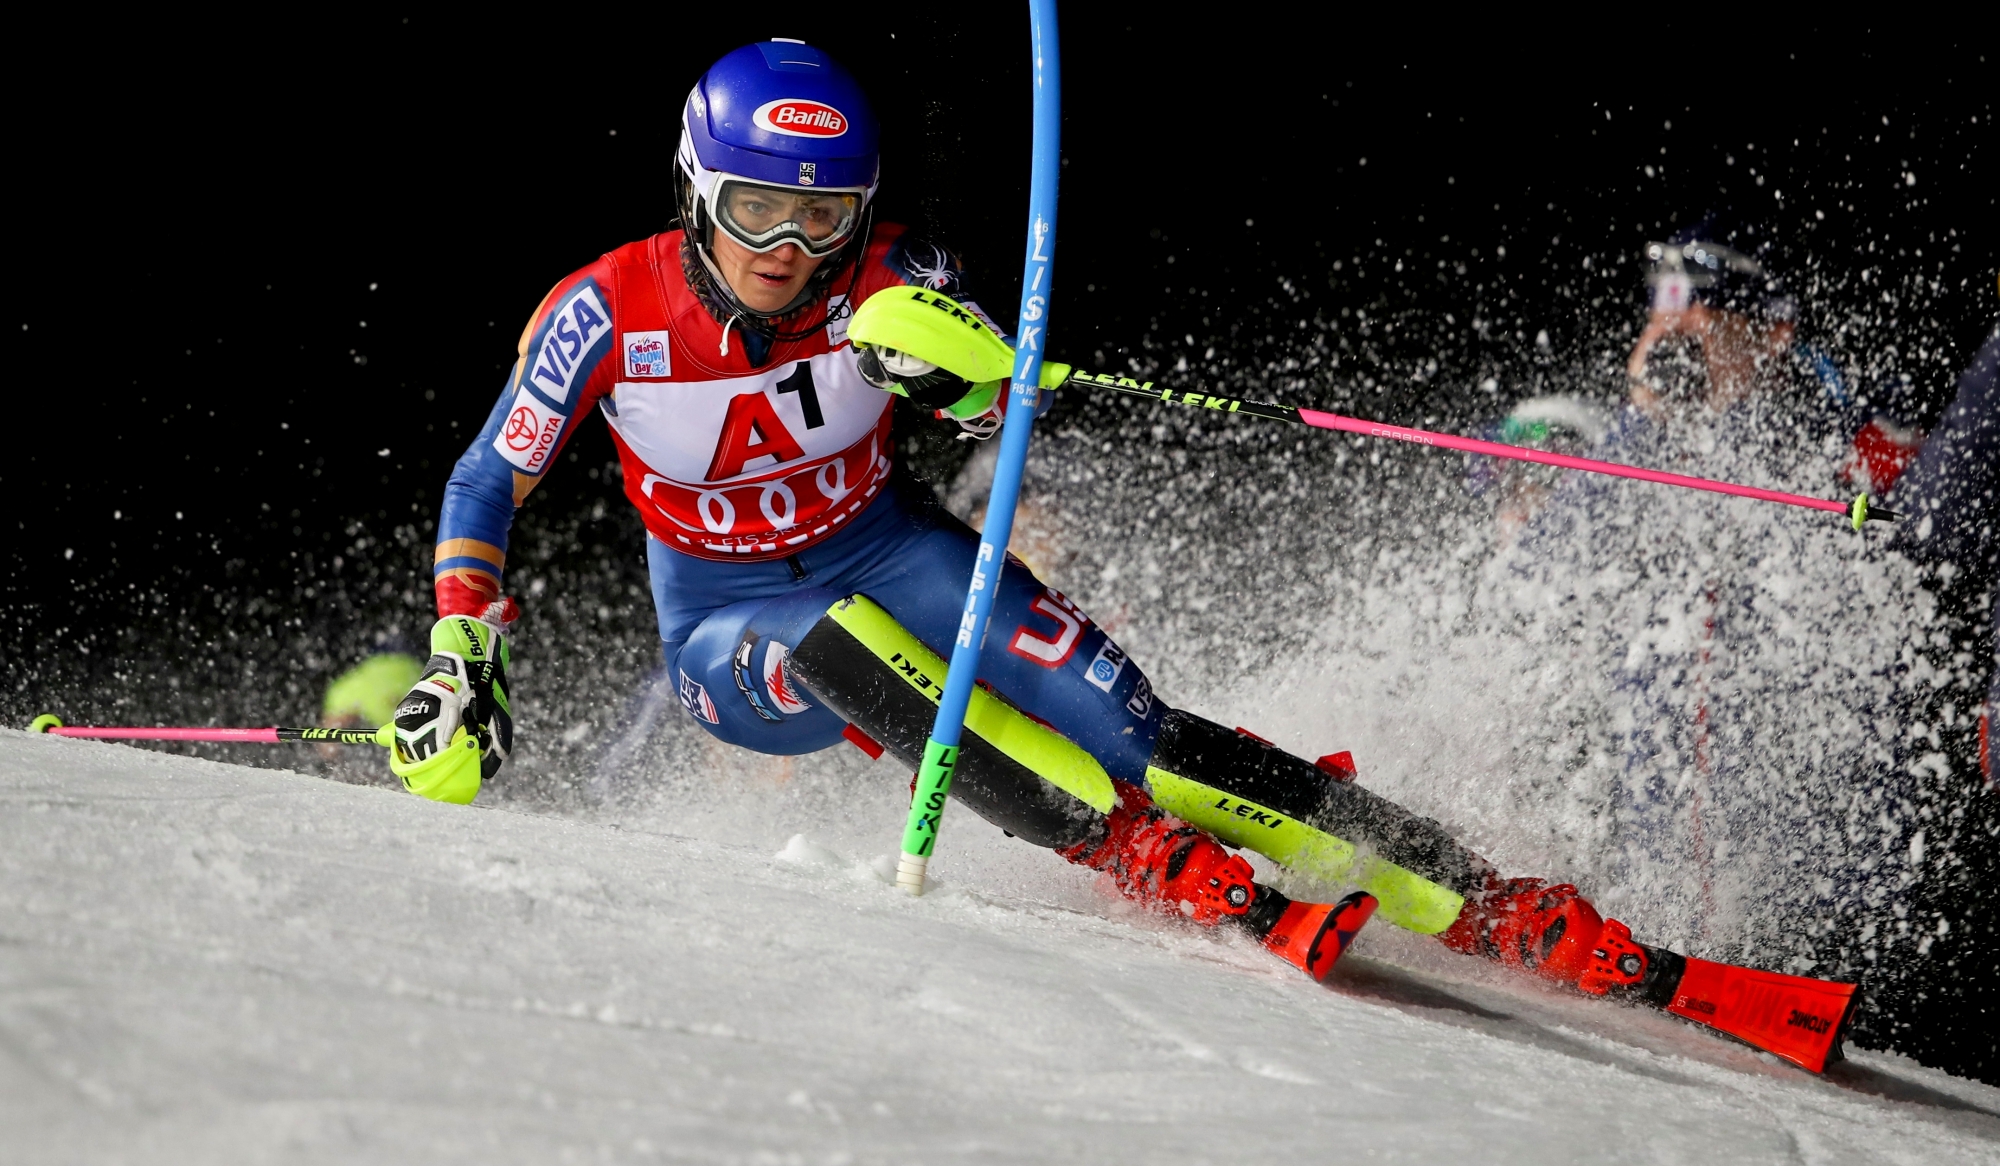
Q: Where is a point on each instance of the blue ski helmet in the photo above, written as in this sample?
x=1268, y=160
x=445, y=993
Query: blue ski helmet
x=778, y=145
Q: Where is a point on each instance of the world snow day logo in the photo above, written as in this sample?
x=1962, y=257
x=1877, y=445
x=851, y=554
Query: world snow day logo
x=646, y=354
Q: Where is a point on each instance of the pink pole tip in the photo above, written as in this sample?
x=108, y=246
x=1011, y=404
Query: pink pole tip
x=1517, y=453
x=257, y=736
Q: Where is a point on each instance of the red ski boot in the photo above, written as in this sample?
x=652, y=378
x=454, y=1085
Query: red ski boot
x=1554, y=932
x=1525, y=923
x=1157, y=860
x=1160, y=861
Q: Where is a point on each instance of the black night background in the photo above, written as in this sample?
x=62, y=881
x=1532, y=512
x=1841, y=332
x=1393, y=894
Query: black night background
x=268, y=273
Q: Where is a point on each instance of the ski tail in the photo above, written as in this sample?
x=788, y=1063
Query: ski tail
x=1314, y=936
x=1794, y=1017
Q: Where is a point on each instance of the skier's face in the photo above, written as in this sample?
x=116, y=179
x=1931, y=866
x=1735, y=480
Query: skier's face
x=1737, y=354
x=764, y=282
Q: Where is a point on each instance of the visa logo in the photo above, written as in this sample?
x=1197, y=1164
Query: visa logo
x=567, y=337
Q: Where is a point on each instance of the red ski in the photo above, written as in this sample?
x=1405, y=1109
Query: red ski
x=1794, y=1017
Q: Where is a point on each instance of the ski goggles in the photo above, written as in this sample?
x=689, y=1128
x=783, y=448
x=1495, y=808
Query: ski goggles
x=764, y=218
x=1679, y=274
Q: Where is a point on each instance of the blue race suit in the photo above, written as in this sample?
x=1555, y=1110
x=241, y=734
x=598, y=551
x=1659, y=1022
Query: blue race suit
x=911, y=556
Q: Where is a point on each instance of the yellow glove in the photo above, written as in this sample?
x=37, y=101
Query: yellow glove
x=455, y=726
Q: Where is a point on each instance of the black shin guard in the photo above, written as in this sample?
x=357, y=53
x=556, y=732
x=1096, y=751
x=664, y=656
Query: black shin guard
x=1033, y=783
x=1258, y=796
x=1250, y=771
x=871, y=671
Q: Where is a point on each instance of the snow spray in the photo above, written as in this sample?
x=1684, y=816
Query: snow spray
x=941, y=751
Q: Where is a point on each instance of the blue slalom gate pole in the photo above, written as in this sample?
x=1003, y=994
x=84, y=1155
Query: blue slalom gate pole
x=941, y=751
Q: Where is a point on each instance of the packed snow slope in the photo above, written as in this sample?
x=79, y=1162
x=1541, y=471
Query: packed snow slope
x=207, y=963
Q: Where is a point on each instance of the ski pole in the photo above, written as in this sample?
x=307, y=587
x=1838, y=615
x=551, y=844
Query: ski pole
x=275, y=735
x=941, y=751
x=1857, y=512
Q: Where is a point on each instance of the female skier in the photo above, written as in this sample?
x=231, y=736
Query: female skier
x=803, y=585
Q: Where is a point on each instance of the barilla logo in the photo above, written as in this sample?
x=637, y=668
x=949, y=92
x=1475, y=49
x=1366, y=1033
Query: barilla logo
x=801, y=118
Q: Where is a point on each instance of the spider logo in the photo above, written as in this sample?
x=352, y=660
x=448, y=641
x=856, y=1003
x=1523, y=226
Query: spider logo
x=934, y=275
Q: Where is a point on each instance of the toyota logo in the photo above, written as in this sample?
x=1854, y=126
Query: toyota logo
x=521, y=429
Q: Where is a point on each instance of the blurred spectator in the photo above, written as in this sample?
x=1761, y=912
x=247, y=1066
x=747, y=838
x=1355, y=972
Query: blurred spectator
x=1563, y=423
x=1938, y=998
x=1736, y=313
x=1706, y=633
x=1722, y=329
x=1950, y=502
x=365, y=696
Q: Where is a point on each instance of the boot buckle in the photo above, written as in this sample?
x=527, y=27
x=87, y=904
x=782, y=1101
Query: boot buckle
x=1617, y=963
